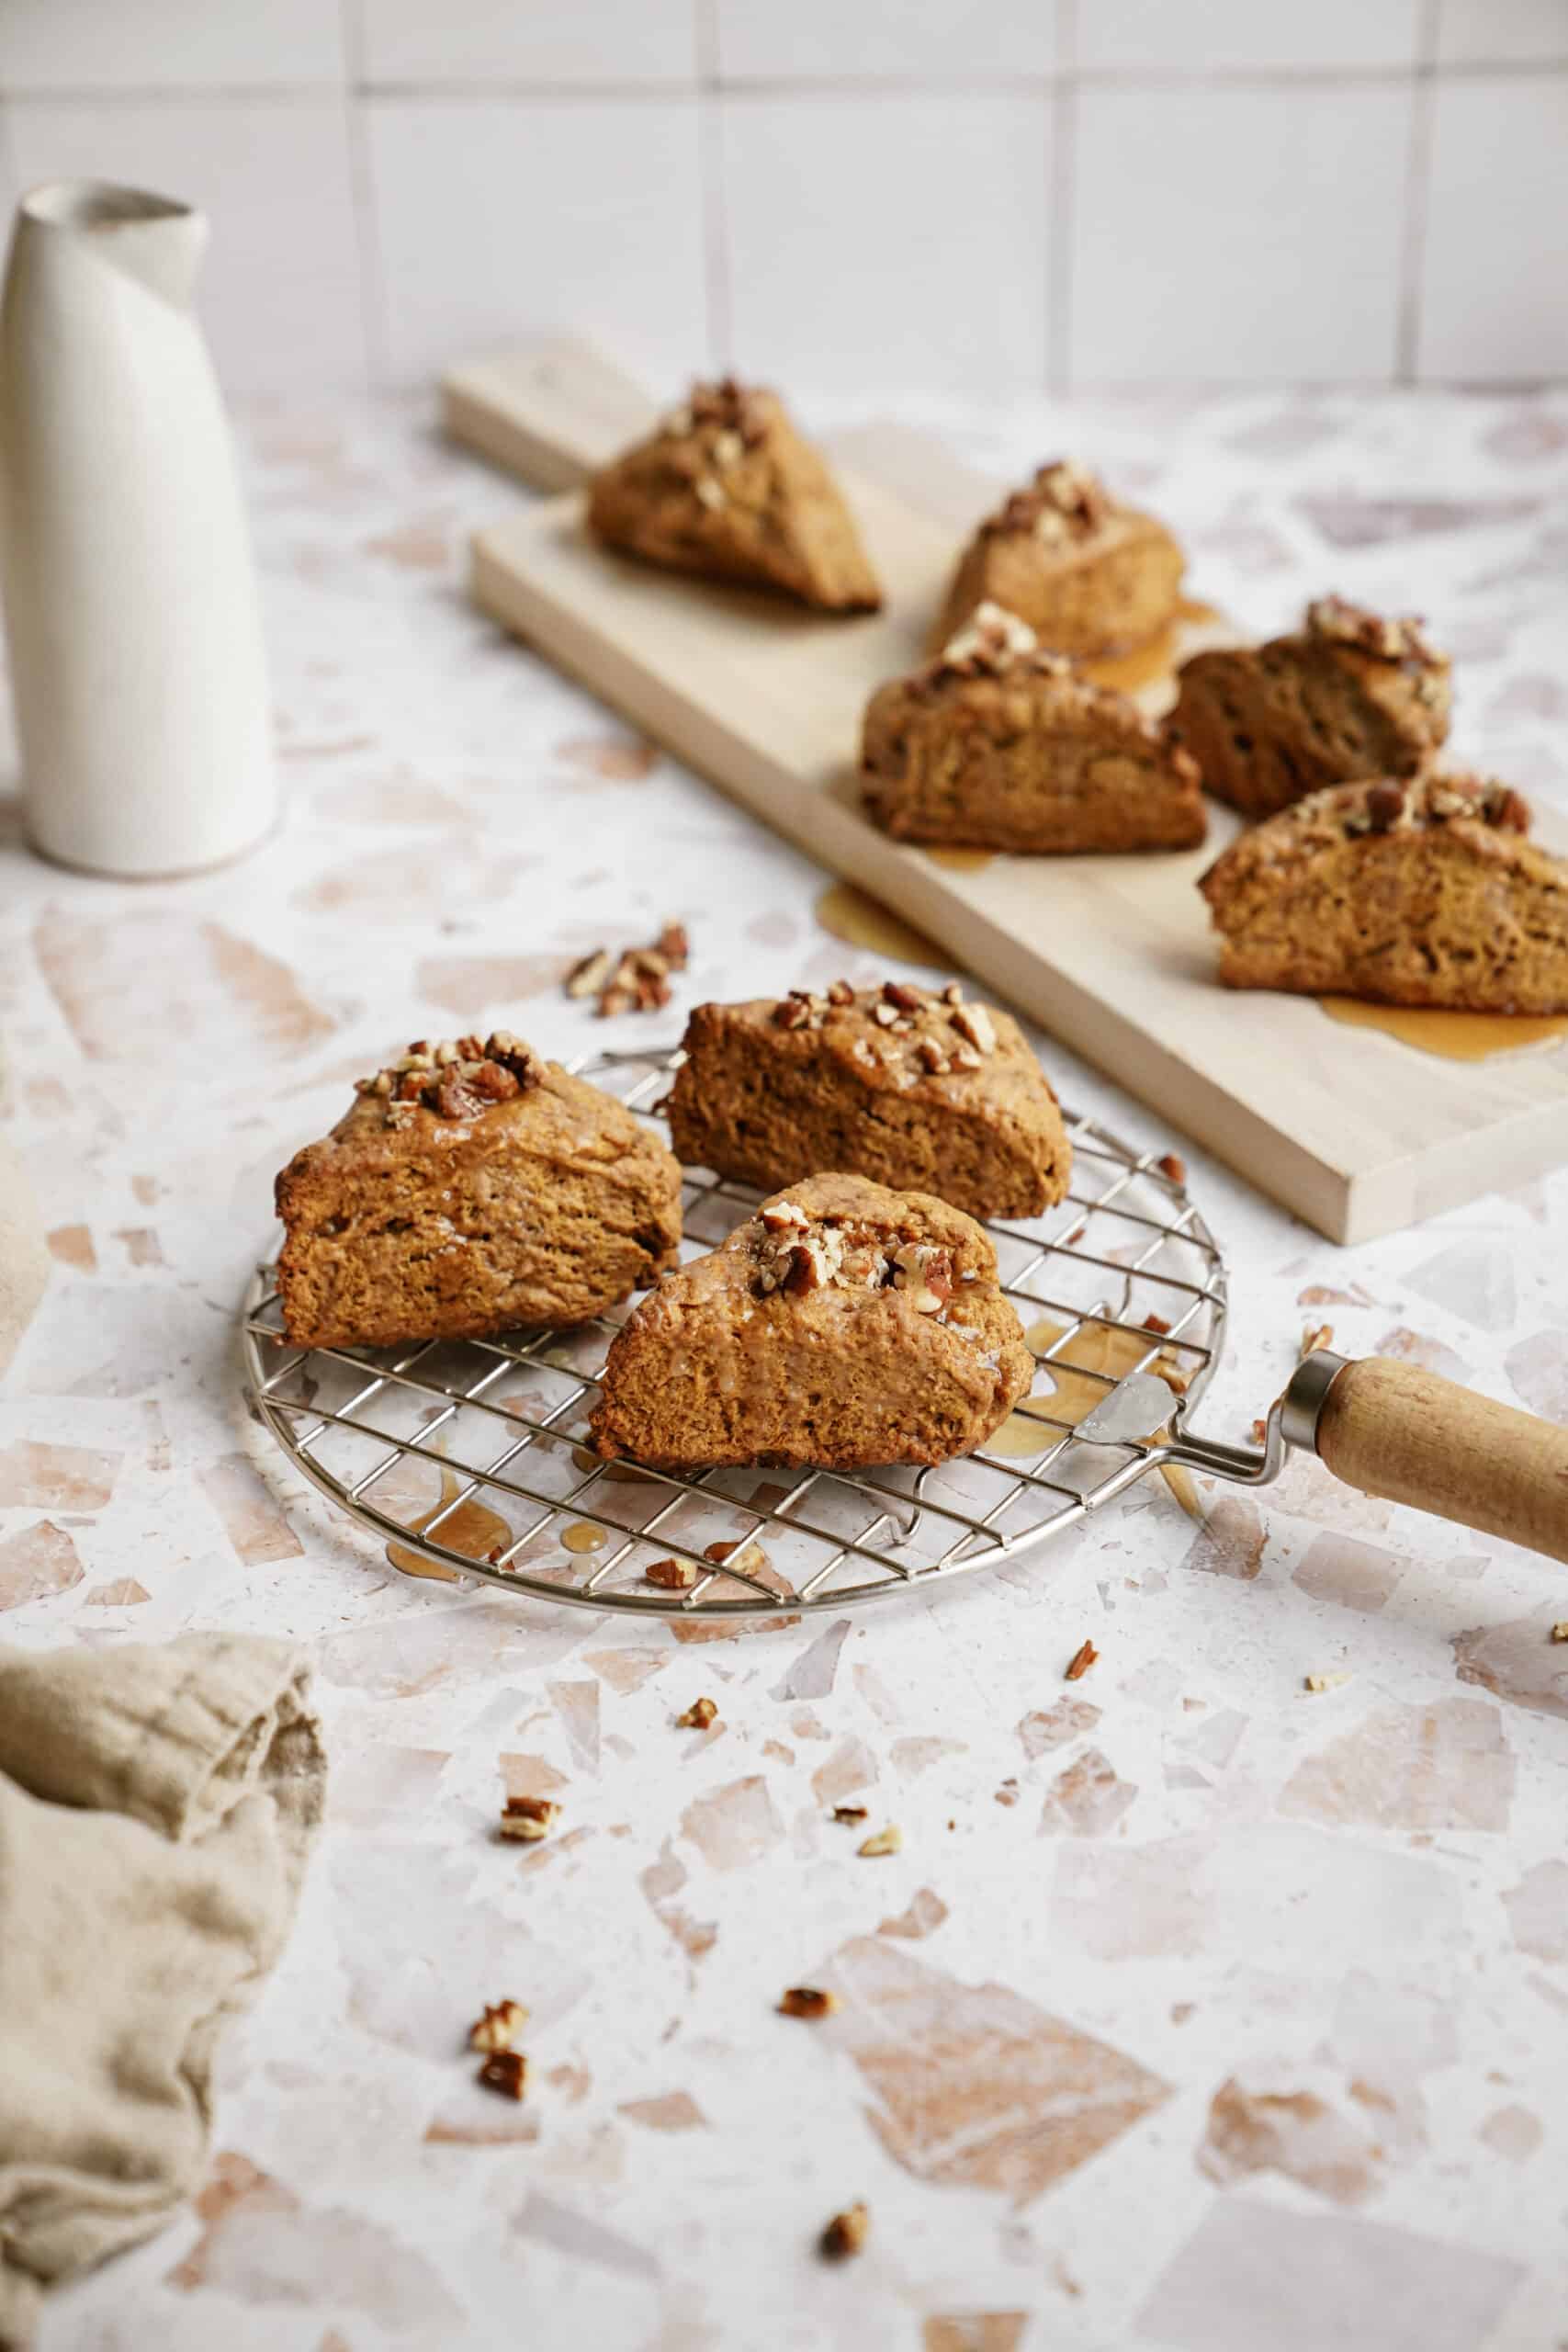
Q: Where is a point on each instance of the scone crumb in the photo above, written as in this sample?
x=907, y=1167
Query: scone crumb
x=845, y=2233
x=1082, y=1658
x=1325, y=1682
x=675, y=1576
x=807, y=2001
x=499, y=2027
x=528, y=1818
x=698, y=1715
x=882, y=1841
x=505, y=2072
x=1559, y=1631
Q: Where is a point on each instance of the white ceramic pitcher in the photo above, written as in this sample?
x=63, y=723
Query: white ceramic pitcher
x=131, y=605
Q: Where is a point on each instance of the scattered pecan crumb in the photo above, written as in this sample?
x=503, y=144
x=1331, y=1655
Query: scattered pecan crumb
x=1170, y=1164
x=882, y=1841
x=1559, y=1631
x=506, y=2071
x=698, y=1715
x=845, y=2233
x=499, y=2027
x=1156, y=1323
x=634, y=982
x=1007, y=1794
x=1326, y=1681
x=807, y=2001
x=529, y=1818
x=675, y=1576
x=848, y=1813
x=1082, y=1658
x=1316, y=1336
x=588, y=976
x=1259, y=1431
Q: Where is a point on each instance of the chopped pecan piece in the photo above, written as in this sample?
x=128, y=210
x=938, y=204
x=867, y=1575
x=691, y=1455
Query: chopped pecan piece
x=698, y=1715
x=1082, y=1658
x=1170, y=1165
x=807, y=2001
x=841, y=992
x=499, y=2028
x=506, y=2071
x=882, y=1841
x=848, y=1813
x=588, y=976
x=845, y=2233
x=972, y=1021
x=529, y=1818
x=904, y=997
x=675, y=1576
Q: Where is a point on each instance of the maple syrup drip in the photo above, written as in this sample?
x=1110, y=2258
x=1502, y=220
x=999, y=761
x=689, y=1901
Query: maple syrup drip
x=472, y=1529
x=1455, y=1036
x=582, y=1537
x=1097, y=1347
x=961, y=860
x=1154, y=662
x=855, y=917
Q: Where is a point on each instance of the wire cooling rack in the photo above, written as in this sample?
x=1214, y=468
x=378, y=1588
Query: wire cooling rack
x=469, y=1456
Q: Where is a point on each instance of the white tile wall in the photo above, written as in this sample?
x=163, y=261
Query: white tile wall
x=933, y=40
x=167, y=44
x=539, y=41
x=897, y=241
x=877, y=194
x=1239, y=235
x=1495, y=276
x=1195, y=36
x=494, y=217
x=281, y=285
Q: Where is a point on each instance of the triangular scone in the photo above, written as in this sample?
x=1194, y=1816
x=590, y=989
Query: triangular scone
x=898, y=1083
x=726, y=487
x=471, y=1188
x=1346, y=694
x=1089, y=575
x=1001, y=745
x=843, y=1326
x=1423, y=891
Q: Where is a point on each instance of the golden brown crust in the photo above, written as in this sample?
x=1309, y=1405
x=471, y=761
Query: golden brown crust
x=888, y=1084
x=727, y=489
x=1350, y=693
x=1420, y=891
x=843, y=1326
x=544, y=1208
x=1090, y=576
x=999, y=744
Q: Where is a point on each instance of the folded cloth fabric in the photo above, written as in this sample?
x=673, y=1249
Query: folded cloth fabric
x=156, y=1813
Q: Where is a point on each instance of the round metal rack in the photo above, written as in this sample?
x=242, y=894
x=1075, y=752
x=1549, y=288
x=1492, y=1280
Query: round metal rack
x=485, y=1437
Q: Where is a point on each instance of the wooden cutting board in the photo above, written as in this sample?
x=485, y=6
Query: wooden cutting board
x=1356, y=1129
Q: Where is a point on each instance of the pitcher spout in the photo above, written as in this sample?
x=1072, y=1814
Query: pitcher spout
x=154, y=239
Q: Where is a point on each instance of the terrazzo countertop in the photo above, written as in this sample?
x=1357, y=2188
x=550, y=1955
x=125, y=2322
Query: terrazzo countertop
x=1197, y=2011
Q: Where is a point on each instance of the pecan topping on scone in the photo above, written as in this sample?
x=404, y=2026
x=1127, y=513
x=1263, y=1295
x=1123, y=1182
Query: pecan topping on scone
x=457, y=1079
x=991, y=641
x=796, y=1253
x=1389, y=639
x=729, y=408
x=1066, y=500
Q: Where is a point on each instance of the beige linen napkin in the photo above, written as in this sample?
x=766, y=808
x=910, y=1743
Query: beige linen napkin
x=156, y=1813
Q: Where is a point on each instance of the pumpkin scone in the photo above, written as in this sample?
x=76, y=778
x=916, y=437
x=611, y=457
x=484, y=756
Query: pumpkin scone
x=1348, y=694
x=1419, y=891
x=1088, y=574
x=471, y=1188
x=906, y=1085
x=999, y=744
x=726, y=487
x=843, y=1326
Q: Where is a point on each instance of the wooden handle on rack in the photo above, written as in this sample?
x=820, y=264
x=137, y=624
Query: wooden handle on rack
x=1395, y=1430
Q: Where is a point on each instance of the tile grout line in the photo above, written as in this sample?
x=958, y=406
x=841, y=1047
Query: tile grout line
x=362, y=194
x=1060, y=181
x=713, y=186
x=1417, y=187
